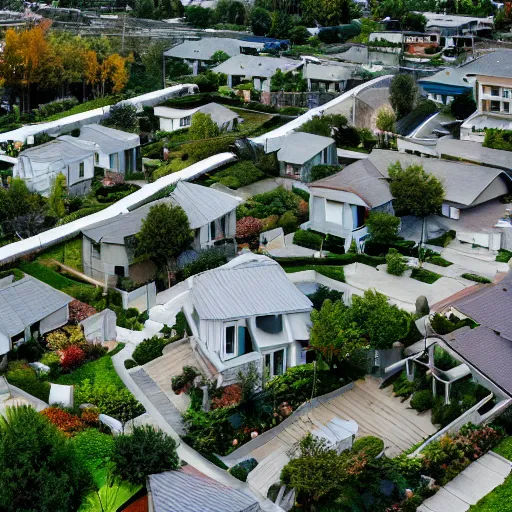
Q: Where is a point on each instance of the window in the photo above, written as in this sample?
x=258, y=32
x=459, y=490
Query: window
x=279, y=362
x=495, y=91
x=223, y=226
x=119, y=271
x=325, y=155
x=96, y=250
x=495, y=106
x=506, y=107
x=213, y=230
x=113, y=161
x=81, y=171
x=185, y=121
x=334, y=212
x=96, y=158
x=293, y=171
x=506, y=93
x=275, y=363
x=230, y=345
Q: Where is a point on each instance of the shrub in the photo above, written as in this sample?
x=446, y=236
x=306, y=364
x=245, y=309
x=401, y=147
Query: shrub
x=207, y=260
x=288, y=221
x=231, y=395
x=66, y=422
x=72, y=357
x=382, y=227
x=443, y=240
x=439, y=261
x=308, y=239
x=443, y=360
x=371, y=445
x=144, y=452
x=79, y=311
x=269, y=223
x=274, y=202
x=323, y=293
x=30, y=350
x=424, y=275
x=23, y=376
x=52, y=360
x=179, y=382
x=239, y=175
x=476, y=278
x=323, y=171
x=149, y=349
x=503, y=256
x=68, y=336
x=402, y=386
x=242, y=469
x=130, y=363
x=396, y=265
x=422, y=400
x=248, y=228
x=181, y=326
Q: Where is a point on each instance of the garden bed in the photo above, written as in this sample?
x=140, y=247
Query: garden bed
x=424, y=275
x=476, y=278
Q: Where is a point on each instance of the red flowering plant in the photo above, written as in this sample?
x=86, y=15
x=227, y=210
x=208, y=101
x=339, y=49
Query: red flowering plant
x=231, y=395
x=66, y=422
x=90, y=417
x=72, y=357
x=79, y=311
x=248, y=229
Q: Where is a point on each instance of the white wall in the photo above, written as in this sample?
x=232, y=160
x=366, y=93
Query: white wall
x=54, y=320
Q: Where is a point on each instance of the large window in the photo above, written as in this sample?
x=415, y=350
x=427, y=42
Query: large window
x=81, y=170
x=185, y=121
x=495, y=106
x=274, y=363
x=113, y=162
x=230, y=345
x=334, y=212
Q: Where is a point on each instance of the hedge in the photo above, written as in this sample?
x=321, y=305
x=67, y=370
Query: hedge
x=308, y=239
x=476, y=278
x=444, y=239
x=341, y=259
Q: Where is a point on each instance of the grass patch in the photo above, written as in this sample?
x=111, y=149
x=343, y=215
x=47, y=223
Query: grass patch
x=84, y=107
x=331, y=271
x=443, y=240
x=69, y=253
x=503, y=256
x=439, y=261
x=49, y=276
x=424, y=275
x=504, y=448
x=499, y=500
x=476, y=278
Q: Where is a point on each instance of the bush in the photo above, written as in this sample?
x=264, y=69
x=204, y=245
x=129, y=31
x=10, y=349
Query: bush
x=476, y=278
x=425, y=276
x=275, y=202
x=79, y=311
x=382, y=227
x=323, y=293
x=402, y=386
x=207, y=260
x=239, y=175
x=442, y=325
x=396, y=265
x=144, y=452
x=72, y=357
x=439, y=261
x=149, y=349
x=23, y=376
x=248, y=228
x=179, y=382
x=371, y=445
x=422, y=400
x=66, y=422
x=130, y=363
x=242, y=469
x=123, y=117
x=443, y=240
x=46, y=110
x=30, y=350
x=503, y=256
x=288, y=221
x=181, y=326
x=323, y=171
x=61, y=339
x=52, y=360
x=308, y=239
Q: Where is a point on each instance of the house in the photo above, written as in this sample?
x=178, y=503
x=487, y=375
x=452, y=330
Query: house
x=487, y=348
x=403, y=37
x=301, y=151
x=453, y=25
x=107, y=249
x=259, y=70
x=248, y=311
x=74, y=158
x=29, y=306
x=117, y=151
x=339, y=203
x=198, y=54
x=172, y=119
x=445, y=85
x=323, y=77
x=174, y=491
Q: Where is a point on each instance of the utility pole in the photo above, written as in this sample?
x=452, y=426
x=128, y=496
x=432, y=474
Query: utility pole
x=124, y=30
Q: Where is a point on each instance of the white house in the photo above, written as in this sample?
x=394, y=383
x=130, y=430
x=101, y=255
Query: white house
x=116, y=150
x=172, y=119
x=106, y=253
x=248, y=311
x=74, y=158
x=28, y=306
x=300, y=152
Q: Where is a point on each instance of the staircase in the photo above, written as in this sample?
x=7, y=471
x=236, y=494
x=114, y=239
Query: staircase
x=268, y=471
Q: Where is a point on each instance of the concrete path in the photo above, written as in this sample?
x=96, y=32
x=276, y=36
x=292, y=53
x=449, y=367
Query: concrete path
x=470, y=486
x=290, y=250
x=477, y=262
x=150, y=329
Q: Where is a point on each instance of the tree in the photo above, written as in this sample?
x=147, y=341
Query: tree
x=203, y=127
x=170, y=9
x=198, y=16
x=402, y=94
x=395, y=263
x=382, y=227
x=144, y=452
x=38, y=466
x=414, y=21
x=56, y=206
x=386, y=120
x=261, y=21
x=415, y=192
x=152, y=59
x=218, y=57
x=326, y=12
x=334, y=335
x=299, y=34
x=236, y=13
x=463, y=106
x=123, y=117
x=381, y=323
x=164, y=235
x=281, y=24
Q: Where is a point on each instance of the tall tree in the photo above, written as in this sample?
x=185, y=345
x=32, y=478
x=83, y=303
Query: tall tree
x=164, y=235
x=261, y=21
x=203, y=127
x=403, y=92
x=415, y=192
x=56, y=206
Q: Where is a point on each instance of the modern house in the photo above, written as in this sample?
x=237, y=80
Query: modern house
x=259, y=70
x=323, y=77
x=445, y=85
x=29, y=306
x=172, y=119
x=107, y=249
x=248, y=311
x=339, y=203
x=454, y=25
x=300, y=152
x=116, y=150
x=198, y=54
x=74, y=158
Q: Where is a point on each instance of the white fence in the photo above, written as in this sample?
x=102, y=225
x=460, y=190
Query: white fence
x=143, y=298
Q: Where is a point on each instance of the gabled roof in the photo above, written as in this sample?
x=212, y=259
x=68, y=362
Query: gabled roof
x=360, y=178
x=64, y=148
x=203, y=49
x=452, y=76
x=248, y=285
x=219, y=113
x=327, y=72
x=253, y=66
x=187, y=490
x=201, y=204
x=27, y=301
x=108, y=139
x=299, y=147
x=497, y=63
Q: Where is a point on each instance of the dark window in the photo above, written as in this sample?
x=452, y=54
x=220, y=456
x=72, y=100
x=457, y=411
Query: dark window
x=495, y=91
x=223, y=225
x=230, y=339
x=81, y=171
x=495, y=106
x=119, y=271
x=270, y=323
x=278, y=362
x=213, y=230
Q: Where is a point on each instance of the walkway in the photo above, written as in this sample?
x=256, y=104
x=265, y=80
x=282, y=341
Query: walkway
x=290, y=250
x=466, y=489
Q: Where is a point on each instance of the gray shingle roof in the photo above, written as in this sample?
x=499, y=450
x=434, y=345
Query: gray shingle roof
x=219, y=113
x=300, y=147
x=252, y=66
x=452, y=76
x=497, y=63
x=205, y=48
x=179, y=491
x=28, y=301
x=360, y=178
x=201, y=204
x=108, y=139
x=327, y=73
x=248, y=285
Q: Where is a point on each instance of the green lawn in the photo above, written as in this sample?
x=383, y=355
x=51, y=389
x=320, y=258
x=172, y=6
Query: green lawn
x=69, y=253
x=476, y=278
x=334, y=272
x=49, y=276
x=503, y=256
x=424, y=275
x=84, y=107
x=504, y=448
x=439, y=261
